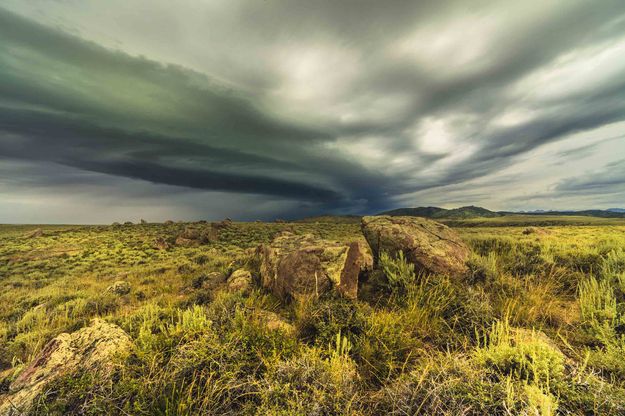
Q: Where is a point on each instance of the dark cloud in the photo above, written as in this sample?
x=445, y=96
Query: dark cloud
x=611, y=179
x=310, y=106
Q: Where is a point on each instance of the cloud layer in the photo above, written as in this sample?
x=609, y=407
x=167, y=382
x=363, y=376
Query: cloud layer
x=263, y=109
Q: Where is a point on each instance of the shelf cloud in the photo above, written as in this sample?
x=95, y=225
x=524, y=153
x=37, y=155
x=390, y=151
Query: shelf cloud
x=265, y=109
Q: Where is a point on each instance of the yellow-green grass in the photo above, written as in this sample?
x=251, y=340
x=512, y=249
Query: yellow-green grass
x=536, y=327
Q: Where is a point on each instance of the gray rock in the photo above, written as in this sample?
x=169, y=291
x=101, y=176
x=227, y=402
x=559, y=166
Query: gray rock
x=429, y=245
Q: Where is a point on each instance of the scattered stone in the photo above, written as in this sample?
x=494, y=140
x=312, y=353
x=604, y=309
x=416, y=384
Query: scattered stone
x=429, y=245
x=275, y=322
x=194, y=236
x=38, y=232
x=190, y=233
x=300, y=266
x=88, y=349
x=186, y=242
x=161, y=244
x=221, y=224
x=121, y=287
x=240, y=280
x=211, y=280
x=533, y=230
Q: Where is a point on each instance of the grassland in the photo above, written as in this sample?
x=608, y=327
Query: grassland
x=538, y=327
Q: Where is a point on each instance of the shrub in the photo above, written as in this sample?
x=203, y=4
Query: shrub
x=522, y=354
x=318, y=322
x=399, y=273
x=316, y=382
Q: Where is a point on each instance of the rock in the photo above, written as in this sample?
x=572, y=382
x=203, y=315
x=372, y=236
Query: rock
x=38, y=232
x=169, y=222
x=190, y=233
x=194, y=236
x=430, y=246
x=143, y=221
x=185, y=242
x=240, y=280
x=533, y=230
x=121, y=287
x=300, y=266
x=274, y=322
x=88, y=349
x=115, y=224
x=128, y=223
x=221, y=224
x=279, y=221
x=212, y=280
x=358, y=260
x=212, y=234
x=161, y=244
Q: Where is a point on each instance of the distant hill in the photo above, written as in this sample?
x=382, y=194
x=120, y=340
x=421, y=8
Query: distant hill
x=436, y=212
x=331, y=219
x=479, y=212
x=601, y=213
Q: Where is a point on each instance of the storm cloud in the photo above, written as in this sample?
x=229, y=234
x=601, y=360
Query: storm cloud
x=275, y=108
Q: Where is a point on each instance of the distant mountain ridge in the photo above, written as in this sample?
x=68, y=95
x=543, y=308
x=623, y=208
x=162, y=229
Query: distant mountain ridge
x=479, y=212
x=436, y=212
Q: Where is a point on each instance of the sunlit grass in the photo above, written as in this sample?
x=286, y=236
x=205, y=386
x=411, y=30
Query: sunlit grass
x=536, y=327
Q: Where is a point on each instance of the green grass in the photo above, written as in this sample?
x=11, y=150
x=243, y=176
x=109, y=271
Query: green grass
x=536, y=327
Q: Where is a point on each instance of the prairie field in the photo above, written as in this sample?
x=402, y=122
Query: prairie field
x=537, y=326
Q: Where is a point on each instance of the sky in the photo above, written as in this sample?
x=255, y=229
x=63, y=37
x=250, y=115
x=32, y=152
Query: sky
x=115, y=110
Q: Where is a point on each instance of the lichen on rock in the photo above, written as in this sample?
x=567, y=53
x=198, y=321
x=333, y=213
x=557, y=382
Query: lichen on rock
x=88, y=349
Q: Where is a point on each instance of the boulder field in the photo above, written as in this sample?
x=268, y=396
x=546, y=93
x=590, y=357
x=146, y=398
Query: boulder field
x=292, y=266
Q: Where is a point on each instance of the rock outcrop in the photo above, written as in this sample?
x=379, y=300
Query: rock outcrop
x=88, y=349
x=299, y=266
x=161, y=244
x=121, y=287
x=429, y=245
x=38, y=232
x=193, y=236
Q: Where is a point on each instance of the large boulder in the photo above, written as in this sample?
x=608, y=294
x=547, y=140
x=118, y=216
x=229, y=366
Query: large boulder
x=429, y=245
x=300, y=266
x=88, y=349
